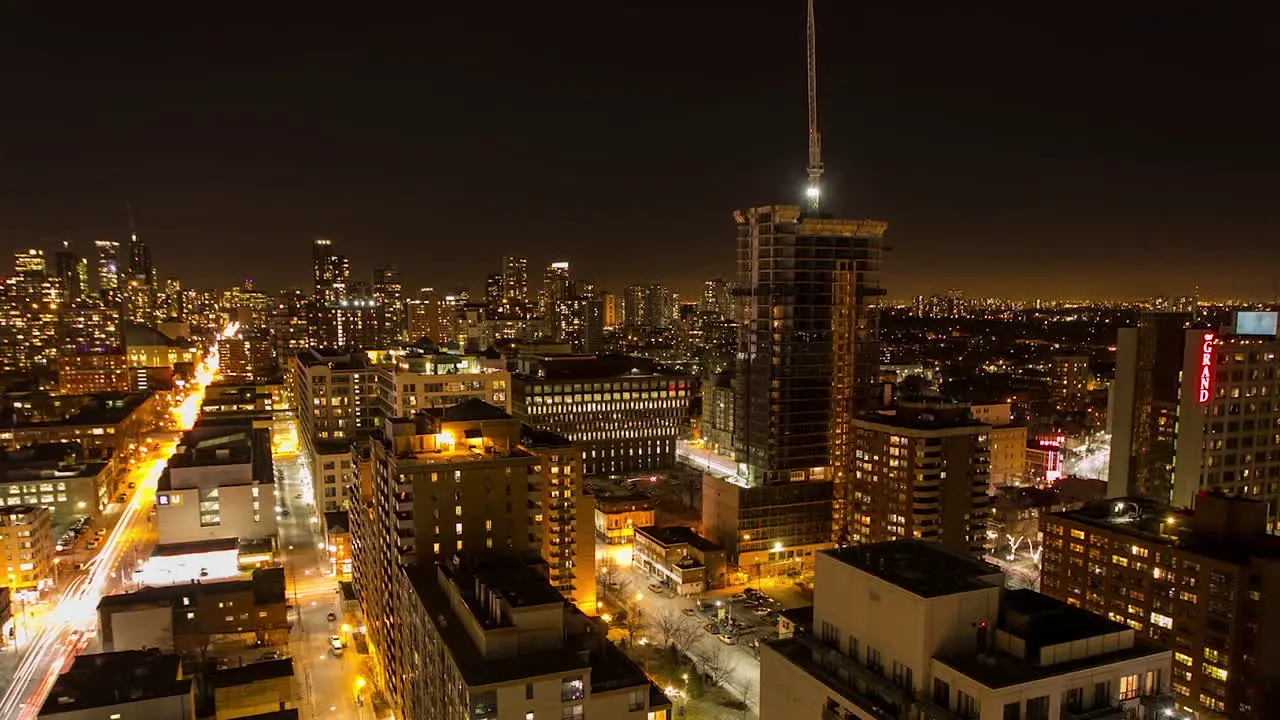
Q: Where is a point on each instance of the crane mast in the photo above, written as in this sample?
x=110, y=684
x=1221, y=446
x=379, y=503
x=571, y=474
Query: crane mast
x=813, y=192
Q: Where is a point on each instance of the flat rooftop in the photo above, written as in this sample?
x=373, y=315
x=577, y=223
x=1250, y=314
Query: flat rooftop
x=101, y=409
x=106, y=679
x=924, y=569
x=678, y=535
x=335, y=359
x=998, y=670
x=1141, y=519
x=600, y=367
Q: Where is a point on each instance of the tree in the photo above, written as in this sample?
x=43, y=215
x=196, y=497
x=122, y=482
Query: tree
x=718, y=664
x=674, y=628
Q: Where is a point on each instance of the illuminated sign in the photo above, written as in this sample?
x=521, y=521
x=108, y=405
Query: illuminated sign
x=1206, y=368
x=162, y=499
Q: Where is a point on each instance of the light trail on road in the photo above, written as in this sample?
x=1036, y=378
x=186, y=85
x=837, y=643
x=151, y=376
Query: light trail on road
x=75, y=617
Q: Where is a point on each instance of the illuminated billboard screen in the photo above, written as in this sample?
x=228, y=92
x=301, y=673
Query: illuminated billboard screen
x=1256, y=323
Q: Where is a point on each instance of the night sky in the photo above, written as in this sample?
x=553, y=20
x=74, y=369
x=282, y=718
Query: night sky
x=1073, y=149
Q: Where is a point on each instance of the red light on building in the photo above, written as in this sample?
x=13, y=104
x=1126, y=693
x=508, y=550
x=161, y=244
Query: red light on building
x=1206, y=368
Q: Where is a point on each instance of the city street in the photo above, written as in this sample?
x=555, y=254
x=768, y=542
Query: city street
x=327, y=685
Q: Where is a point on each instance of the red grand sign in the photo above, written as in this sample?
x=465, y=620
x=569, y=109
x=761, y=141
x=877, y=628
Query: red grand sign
x=1206, y=368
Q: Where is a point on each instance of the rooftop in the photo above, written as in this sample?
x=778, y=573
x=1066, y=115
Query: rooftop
x=110, y=408
x=923, y=418
x=335, y=359
x=253, y=672
x=924, y=569
x=114, y=678
x=678, y=535
x=337, y=521
x=591, y=367
x=267, y=585
x=470, y=411
x=1144, y=520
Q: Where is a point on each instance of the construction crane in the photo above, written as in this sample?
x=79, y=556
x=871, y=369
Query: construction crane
x=814, y=191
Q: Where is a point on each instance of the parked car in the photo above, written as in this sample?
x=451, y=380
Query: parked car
x=738, y=596
x=272, y=655
x=657, y=587
x=688, y=611
x=335, y=642
x=331, y=617
x=727, y=639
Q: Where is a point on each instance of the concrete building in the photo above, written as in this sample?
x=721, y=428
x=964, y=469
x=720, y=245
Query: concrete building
x=183, y=618
x=498, y=642
x=58, y=477
x=1227, y=419
x=86, y=373
x=104, y=424
x=1069, y=381
x=418, y=382
x=911, y=629
x=253, y=689
x=716, y=425
x=1142, y=412
x=26, y=547
x=1007, y=442
x=618, y=517
x=219, y=484
x=467, y=479
x=128, y=684
x=1201, y=584
x=680, y=558
x=921, y=471
x=625, y=412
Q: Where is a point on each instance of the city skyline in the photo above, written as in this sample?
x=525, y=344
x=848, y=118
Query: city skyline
x=1049, y=124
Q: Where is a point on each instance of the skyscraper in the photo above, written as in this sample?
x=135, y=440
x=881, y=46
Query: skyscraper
x=1143, y=412
x=388, y=293
x=515, y=280
x=332, y=272
x=140, y=267
x=556, y=286
x=66, y=268
x=108, y=266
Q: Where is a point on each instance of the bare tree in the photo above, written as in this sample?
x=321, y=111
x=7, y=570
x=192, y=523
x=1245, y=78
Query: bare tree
x=718, y=664
x=674, y=628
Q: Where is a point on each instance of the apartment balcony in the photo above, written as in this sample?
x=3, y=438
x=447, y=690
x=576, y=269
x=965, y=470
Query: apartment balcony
x=404, y=524
x=881, y=699
x=404, y=505
x=1147, y=707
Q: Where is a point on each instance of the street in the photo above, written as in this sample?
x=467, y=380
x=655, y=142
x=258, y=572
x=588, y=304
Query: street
x=326, y=685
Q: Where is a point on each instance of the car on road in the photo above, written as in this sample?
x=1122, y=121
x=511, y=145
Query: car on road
x=297, y=496
x=331, y=617
x=688, y=611
x=657, y=587
x=727, y=639
x=335, y=642
x=272, y=655
x=711, y=628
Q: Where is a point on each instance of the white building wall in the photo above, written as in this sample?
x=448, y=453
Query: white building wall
x=142, y=629
x=178, y=514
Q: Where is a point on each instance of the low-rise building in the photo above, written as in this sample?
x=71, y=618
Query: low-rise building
x=26, y=546
x=618, y=517
x=496, y=641
x=337, y=540
x=680, y=558
x=104, y=424
x=183, y=618
x=128, y=684
x=219, y=484
x=57, y=476
x=913, y=629
x=330, y=474
x=227, y=397
x=1008, y=442
x=253, y=689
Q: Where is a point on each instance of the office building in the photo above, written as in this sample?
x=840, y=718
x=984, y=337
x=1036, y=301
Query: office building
x=107, y=267
x=1201, y=584
x=912, y=630
x=59, y=477
x=26, y=547
x=625, y=412
x=88, y=373
x=183, y=618
x=1142, y=412
x=1069, y=381
x=496, y=641
x=921, y=471
x=127, y=684
x=218, y=485
x=1227, y=418
x=72, y=274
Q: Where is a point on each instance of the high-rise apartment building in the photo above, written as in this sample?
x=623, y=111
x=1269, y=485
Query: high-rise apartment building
x=68, y=269
x=717, y=298
x=388, y=294
x=1201, y=584
x=427, y=317
x=493, y=640
x=1069, y=381
x=30, y=262
x=911, y=630
x=1142, y=412
x=609, y=303
x=26, y=546
x=625, y=412
x=108, y=266
x=330, y=271
x=557, y=285
x=1008, y=442
x=467, y=480
x=920, y=471
x=808, y=360
x=515, y=281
